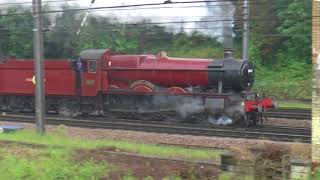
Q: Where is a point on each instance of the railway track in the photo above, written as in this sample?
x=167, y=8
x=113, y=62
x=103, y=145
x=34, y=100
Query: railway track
x=276, y=133
x=304, y=114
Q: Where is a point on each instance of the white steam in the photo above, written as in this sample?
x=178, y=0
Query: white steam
x=187, y=106
x=220, y=16
x=67, y=112
x=183, y=13
x=190, y=106
x=222, y=120
x=235, y=109
x=184, y=106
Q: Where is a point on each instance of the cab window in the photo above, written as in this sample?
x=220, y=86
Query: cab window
x=92, y=66
x=79, y=65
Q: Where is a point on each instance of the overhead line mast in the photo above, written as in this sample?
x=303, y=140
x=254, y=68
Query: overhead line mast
x=245, y=33
x=38, y=67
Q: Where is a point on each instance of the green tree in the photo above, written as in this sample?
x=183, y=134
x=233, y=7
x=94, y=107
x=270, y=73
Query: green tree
x=296, y=28
x=61, y=41
x=17, y=34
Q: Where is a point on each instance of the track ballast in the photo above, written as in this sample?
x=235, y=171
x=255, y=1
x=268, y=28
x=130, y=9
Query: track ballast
x=303, y=114
x=267, y=132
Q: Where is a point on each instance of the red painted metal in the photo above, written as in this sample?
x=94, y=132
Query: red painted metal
x=143, y=89
x=117, y=74
x=176, y=90
x=161, y=71
x=265, y=103
x=16, y=77
x=91, y=80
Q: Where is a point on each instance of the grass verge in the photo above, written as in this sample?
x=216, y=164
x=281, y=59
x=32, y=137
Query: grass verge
x=316, y=175
x=18, y=161
x=46, y=164
x=146, y=149
x=293, y=105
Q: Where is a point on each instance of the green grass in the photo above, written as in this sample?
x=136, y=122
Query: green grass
x=50, y=164
x=172, y=177
x=316, y=175
x=54, y=162
x=232, y=176
x=293, y=105
x=225, y=176
x=146, y=149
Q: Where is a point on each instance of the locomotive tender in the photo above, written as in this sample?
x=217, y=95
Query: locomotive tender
x=103, y=81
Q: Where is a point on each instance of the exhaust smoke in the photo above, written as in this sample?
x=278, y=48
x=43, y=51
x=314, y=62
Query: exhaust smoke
x=222, y=120
x=184, y=106
x=223, y=13
x=190, y=106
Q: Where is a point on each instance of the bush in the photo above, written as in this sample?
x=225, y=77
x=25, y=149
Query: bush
x=291, y=80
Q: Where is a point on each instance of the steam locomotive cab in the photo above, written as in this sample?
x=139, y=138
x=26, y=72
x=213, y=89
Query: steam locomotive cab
x=87, y=76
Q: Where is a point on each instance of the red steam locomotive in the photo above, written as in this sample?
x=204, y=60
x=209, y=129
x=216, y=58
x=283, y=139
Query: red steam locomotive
x=103, y=82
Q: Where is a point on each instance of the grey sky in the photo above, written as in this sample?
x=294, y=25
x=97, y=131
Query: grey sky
x=156, y=15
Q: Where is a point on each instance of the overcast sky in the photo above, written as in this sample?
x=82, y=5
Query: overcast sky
x=161, y=14
x=177, y=13
x=180, y=12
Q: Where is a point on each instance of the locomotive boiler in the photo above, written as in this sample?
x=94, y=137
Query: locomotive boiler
x=104, y=82
x=219, y=75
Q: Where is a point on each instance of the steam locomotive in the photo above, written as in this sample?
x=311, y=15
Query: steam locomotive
x=104, y=82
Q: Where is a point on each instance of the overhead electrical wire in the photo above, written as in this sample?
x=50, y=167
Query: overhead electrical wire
x=168, y=22
x=207, y=20
x=30, y=2
x=164, y=2
x=172, y=22
x=85, y=32
x=127, y=6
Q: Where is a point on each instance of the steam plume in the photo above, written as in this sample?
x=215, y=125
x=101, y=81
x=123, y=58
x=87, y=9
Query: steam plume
x=217, y=11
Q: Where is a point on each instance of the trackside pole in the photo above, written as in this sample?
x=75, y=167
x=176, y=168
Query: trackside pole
x=245, y=32
x=38, y=67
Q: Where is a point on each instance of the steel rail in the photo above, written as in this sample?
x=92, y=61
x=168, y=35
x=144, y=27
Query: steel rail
x=266, y=128
x=299, y=114
x=268, y=132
